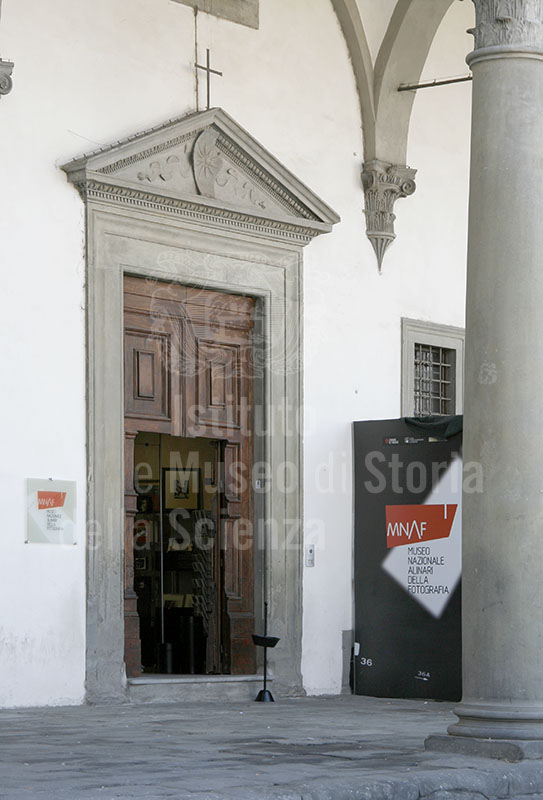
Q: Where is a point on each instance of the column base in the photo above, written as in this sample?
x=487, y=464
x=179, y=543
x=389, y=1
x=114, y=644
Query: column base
x=495, y=720
x=504, y=749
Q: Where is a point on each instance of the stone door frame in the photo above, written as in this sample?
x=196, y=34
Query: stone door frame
x=198, y=201
x=170, y=250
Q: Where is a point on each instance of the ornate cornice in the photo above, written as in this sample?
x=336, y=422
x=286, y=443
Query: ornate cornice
x=383, y=184
x=6, y=82
x=204, y=168
x=263, y=178
x=508, y=23
x=110, y=169
x=95, y=190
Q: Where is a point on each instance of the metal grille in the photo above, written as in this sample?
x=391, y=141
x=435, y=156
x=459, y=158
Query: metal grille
x=435, y=385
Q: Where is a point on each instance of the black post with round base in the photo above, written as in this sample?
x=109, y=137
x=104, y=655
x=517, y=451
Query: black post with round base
x=264, y=695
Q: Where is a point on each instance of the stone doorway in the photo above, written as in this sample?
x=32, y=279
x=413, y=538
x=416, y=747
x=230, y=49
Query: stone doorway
x=190, y=548
x=155, y=210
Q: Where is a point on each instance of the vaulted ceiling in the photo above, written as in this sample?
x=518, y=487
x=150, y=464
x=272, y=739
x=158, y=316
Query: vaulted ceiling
x=387, y=41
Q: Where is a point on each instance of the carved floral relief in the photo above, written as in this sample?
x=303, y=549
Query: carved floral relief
x=174, y=169
x=232, y=185
x=207, y=161
x=218, y=178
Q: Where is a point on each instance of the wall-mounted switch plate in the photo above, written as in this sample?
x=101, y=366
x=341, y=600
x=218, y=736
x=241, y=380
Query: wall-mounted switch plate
x=310, y=555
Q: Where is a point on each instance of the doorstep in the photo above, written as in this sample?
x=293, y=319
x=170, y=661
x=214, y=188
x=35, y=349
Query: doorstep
x=194, y=688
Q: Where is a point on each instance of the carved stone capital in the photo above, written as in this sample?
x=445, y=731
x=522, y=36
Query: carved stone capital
x=383, y=184
x=6, y=83
x=509, y=23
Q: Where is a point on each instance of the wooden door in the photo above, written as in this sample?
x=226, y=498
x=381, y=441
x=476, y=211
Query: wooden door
x=237, y=550
x=188, y=372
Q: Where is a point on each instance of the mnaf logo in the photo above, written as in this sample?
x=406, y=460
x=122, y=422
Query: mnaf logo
x=50, y=500
x=413, y=524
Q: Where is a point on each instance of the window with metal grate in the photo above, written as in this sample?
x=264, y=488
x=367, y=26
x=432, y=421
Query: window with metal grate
x=434, y=380
x=432, y=369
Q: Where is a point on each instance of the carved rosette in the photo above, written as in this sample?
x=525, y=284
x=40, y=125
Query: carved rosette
x=6, y=83
x=509, y=23
x=383, y=184
x=208, y=162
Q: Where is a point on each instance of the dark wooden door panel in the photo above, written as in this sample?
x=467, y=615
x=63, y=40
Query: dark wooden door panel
x=237, y=544
x=242, y=649
x=218, y=311
x=217, y=390
x=132, y=644
x=188, y=362
x=147, y=374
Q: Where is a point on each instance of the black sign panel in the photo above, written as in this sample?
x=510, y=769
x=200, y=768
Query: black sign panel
x=408, y=495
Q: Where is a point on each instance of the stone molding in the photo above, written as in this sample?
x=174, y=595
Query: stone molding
x=505, y=720
x=206, y=168
x=198, y=212
x=384, y=184
x=508, y=23
x=6, y=82
x=161, y=247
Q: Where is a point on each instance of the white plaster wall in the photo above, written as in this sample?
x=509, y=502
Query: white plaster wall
x=89, y=73
x=353, y=328
x=86, y=73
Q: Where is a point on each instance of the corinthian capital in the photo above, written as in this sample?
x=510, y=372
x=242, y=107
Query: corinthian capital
x=6, y=68
x=383, y=184
x=510, y=23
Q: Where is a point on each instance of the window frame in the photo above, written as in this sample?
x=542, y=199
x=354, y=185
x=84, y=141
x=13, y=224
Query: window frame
x=436, y=335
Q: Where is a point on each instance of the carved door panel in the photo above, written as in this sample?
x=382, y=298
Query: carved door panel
x=219, y=404
x=207, y=584
x=153, y=340
x=219, y=356
x=237, y=547
x=188, y=372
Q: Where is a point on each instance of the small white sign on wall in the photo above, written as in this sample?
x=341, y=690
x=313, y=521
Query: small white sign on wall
x=50, y=511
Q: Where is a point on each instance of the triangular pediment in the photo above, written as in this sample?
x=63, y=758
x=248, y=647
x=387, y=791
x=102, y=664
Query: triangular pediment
x=208, y=160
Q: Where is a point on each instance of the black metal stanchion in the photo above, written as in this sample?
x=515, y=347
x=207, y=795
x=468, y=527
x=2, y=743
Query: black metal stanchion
x=264, y=695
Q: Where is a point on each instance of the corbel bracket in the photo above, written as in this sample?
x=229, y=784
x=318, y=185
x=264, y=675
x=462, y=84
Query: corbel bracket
x=6, y=83
x=383, y=184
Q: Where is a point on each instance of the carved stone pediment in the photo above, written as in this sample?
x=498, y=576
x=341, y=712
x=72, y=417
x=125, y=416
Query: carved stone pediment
x=206, y=166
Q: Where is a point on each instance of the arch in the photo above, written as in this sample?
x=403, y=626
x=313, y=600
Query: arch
x=353, y=30
x=401, y=58
x=402, y=55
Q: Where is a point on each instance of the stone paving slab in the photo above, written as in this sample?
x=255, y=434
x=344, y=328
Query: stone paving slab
x=342, y=748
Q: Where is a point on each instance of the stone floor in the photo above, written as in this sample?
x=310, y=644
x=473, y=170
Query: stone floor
x=342, y=748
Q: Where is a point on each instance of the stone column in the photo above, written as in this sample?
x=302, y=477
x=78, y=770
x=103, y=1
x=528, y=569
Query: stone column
x=503, y=525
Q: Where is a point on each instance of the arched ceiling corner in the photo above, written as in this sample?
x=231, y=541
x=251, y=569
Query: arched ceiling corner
x=401, y=59
x=348, y=14
x=402, y=55
x=385, y=111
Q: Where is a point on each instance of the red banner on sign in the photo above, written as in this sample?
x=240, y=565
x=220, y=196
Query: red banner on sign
x=414, y=524
x=51, y=500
